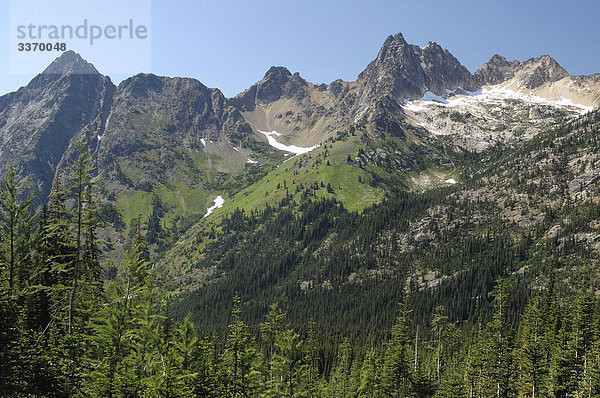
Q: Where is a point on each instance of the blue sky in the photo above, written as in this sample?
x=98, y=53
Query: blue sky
x=230, y=44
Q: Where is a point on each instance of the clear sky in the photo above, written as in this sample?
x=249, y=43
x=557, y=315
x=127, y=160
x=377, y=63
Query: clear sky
x=230, y=44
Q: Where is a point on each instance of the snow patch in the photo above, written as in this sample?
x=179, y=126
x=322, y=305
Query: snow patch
x=203, y=142
x=413, y=106
x=494, y=95
x=282, y=147
x=96, y=150
x=450, y=181
x=429, y=96
x=236, y=149
x=98, y=143
x=251, y=161
x=218, y=204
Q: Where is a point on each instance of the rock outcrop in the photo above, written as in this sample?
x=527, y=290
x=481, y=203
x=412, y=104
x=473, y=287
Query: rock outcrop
x=529, y=74
x=405, y=71
x=38, y=121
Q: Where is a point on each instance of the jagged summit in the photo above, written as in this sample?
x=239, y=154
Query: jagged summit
x=277, y=72
x=70, y=62
x=38, y=121
x=398, y=37
x=432, y=44
x=406, y=71
x=529, y=74
x=277, y=83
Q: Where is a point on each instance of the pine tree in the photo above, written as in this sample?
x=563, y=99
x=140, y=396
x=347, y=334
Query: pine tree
x=533, y=353
x=340, y=380
x=476, y=361
x=239, y=354
x=15, y=231
x=270, y=330
x=192, y=352
x=15, y=273
x=396, y=366
x=285, y=369
x=423, y=384
x=499, y=345
x=369, y=376
x=83, y=219
x=312, y=359
x=439, y=325
x=288, y=366
x=115, y=327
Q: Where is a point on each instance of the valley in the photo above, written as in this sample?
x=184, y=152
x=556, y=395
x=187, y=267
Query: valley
x=315, y=238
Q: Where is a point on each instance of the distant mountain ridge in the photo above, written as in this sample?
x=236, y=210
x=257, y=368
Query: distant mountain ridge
x=72, y=99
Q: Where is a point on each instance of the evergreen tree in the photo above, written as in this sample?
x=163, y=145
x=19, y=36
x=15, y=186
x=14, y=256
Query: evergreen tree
x=312, y=360
x=395, y=379
x=115, y=328
x=15, y=231
x=499, y=344
x=370, y=384
x=270, y=330
x=341, y=385
x=533, y=353
x=239, y=354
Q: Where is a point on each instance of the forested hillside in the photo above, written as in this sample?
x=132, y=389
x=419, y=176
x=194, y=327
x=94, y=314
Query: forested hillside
x=484, y=288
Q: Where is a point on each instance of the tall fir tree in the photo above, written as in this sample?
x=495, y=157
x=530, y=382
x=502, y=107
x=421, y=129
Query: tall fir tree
x=396, y=373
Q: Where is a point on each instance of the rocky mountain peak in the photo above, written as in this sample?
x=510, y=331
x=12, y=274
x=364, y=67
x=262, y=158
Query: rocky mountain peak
x=70, y=62
x=38, y=121
x=278, y=82
x=433, y=45
x=542, y=70
x=392, y=48
x=269, y=89
x=394, y=41
x=497, y=70
x=530, y=74
x=498, y=60
x=406, y=71
x=279, y=73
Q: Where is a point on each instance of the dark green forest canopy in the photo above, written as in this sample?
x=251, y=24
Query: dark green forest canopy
x=485, y=288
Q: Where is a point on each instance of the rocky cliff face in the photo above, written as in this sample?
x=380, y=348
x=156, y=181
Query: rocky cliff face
x=529, y=74
x=181, y=107
x=277, y=83
x=145, y=114
x=149, y=113
x=497, y=70
x=405, y=71
x=400, y=72
x=157, y=124
x=38, y=121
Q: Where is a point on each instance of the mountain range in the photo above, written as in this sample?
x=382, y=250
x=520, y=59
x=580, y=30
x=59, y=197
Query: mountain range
x=72, y=99
x=171, y=146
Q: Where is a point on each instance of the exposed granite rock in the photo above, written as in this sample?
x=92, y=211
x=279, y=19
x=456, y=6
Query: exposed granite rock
x=38, y=121
x=405, y=71
x=581, y=182
x=70, y=63
x=497, y=70
x=151, y=112
x=277, y=83
x=532, y=73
